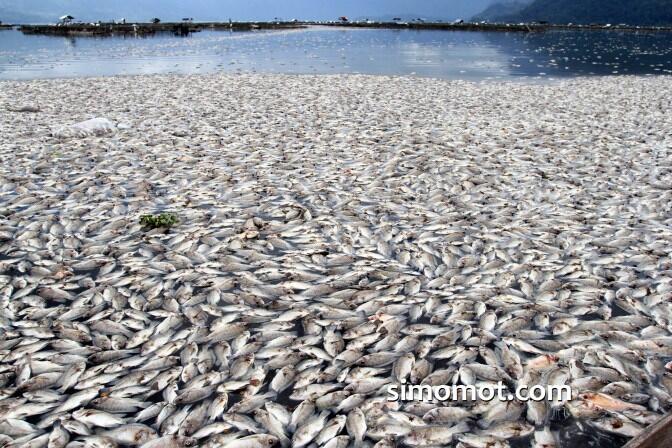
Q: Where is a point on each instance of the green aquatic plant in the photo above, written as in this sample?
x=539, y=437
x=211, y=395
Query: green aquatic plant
x=166, y=220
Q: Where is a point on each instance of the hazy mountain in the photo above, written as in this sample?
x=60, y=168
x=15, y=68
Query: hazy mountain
x=632, y=12
x=142, y=10
x=13, y=16
x=501, y=9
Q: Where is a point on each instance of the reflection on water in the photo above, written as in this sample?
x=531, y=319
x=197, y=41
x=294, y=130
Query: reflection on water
x=587, y=53
x=444, y=54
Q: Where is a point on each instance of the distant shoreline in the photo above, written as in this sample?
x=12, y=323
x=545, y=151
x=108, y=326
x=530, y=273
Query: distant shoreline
x=189, y=27
x=151, y=28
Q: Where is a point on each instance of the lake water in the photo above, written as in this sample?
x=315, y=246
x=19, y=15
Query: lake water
x=443, y=54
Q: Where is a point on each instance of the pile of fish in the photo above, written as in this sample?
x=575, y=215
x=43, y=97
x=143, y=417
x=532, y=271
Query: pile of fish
x=337, y=235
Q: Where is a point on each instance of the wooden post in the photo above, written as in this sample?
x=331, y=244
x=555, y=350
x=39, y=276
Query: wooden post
x=658, y=435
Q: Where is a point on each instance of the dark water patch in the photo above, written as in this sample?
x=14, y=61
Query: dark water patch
x=521, y=442
x=573, y=433
x=234, y=397
x=617, y=311
x=298, y=328
x=284, y=399
x=426, y=318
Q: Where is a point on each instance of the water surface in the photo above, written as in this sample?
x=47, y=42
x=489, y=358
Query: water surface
x=442, y=54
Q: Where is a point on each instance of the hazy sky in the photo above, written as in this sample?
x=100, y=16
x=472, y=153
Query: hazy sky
x=241, y=9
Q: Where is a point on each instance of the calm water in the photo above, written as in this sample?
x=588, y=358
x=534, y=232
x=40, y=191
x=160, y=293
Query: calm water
x=444, y=54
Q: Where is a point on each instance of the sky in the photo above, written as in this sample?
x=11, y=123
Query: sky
x=206, y=10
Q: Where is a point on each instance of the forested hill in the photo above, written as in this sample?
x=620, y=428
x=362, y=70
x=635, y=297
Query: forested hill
x=631, y=12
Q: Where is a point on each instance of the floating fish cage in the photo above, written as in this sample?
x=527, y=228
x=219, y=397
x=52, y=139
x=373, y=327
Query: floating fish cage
x=181, y=28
